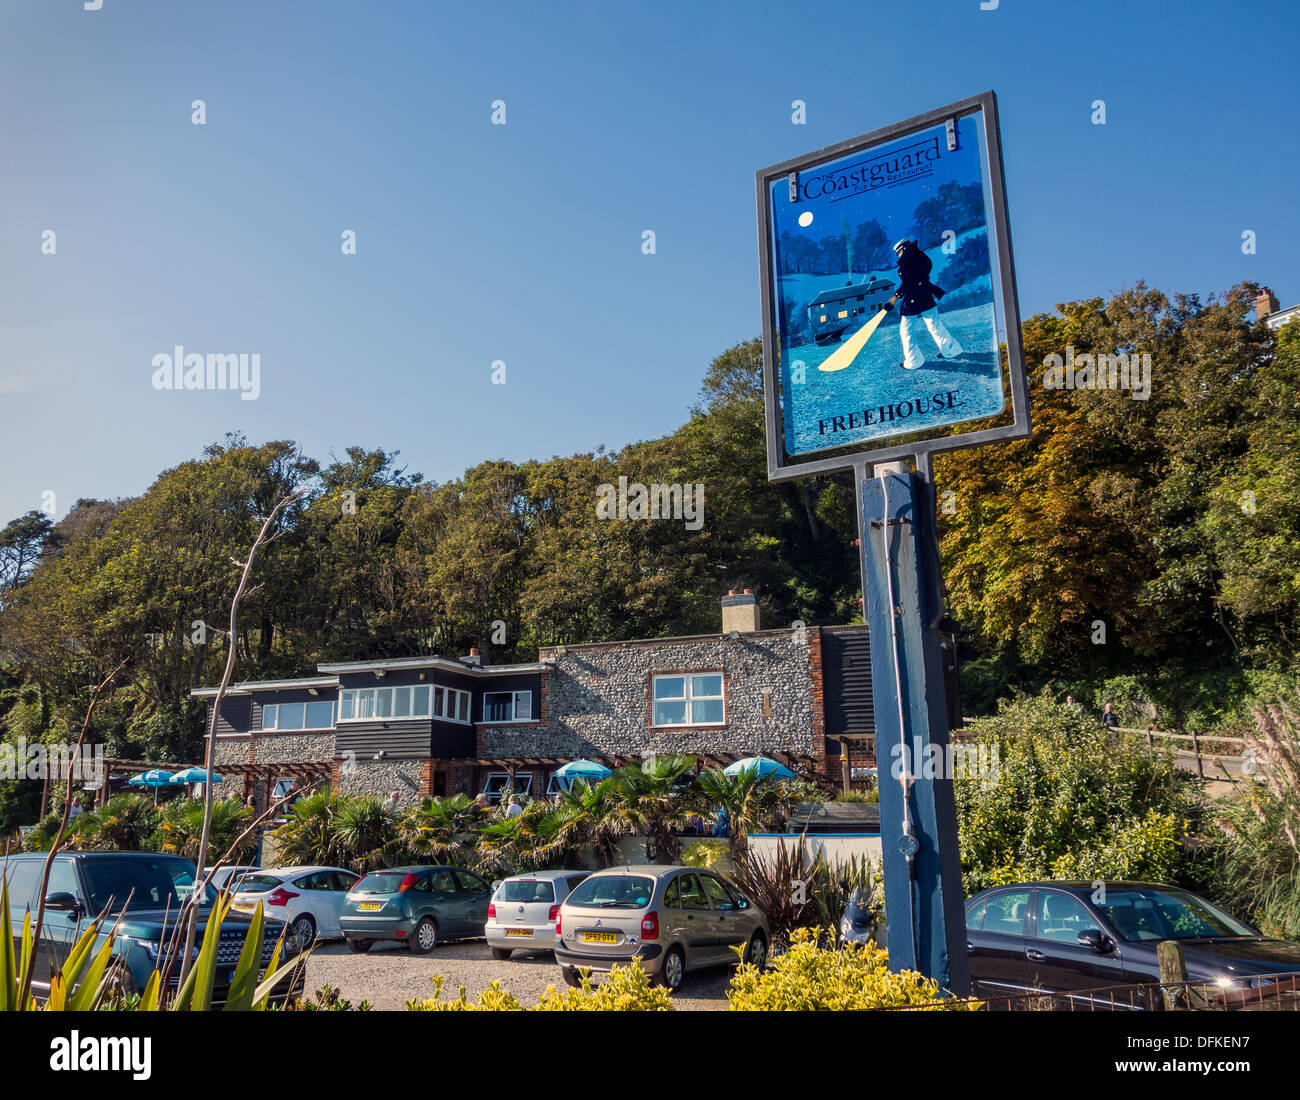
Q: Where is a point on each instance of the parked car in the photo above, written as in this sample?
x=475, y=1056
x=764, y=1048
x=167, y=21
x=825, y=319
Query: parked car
x=146, y=890
x=523, y=909
x=418, y=906
x=670, y=920
x=1064, y=936
x=307, y=899
x=225, y=877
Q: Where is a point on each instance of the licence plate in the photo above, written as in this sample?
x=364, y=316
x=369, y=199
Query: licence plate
x=369, y=906
x=519, y=932
x=244, y=906
x=599, y=937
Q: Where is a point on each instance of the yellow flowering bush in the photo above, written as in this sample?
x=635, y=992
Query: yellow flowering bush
x=624, y=989
x=810, y=977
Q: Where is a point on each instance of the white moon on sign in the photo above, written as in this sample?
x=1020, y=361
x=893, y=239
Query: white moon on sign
x=805, y=219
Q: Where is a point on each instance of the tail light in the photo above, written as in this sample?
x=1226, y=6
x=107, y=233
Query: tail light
x=557, y=920
x=650, y=926
x=554, y=914
x=281, y=897
x=492, y=911
x=408, y=882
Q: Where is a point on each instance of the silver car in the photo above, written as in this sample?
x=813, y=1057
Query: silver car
x=523, y=911
x=670, y=920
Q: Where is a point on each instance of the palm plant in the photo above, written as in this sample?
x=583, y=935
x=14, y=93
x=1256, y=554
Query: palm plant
x=182, y=825
x=308, y=834
x=652, y=802
x=752, y=801
x=365, y=836
x=125, y=823
x=587, y=815
x=508, y=845
x=440, y=830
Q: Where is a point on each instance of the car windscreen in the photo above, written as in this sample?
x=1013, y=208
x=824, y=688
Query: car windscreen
x=381, y=882
x=525, y=889
x=1148, y=915
x=614, y=892
x=256, y=883
x=137, y=882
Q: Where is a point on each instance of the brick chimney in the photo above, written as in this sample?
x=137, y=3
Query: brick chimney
x=473, y=657
x=740, y=612
x=1265, y=303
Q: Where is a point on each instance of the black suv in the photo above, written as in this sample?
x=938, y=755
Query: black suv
x=146, y=890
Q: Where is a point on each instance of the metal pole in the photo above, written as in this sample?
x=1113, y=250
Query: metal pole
x=925, y=922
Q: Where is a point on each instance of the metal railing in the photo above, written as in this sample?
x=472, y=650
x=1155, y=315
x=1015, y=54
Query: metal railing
x=1264, y=993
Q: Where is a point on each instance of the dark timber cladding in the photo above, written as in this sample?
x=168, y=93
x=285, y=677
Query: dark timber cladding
x=236, y=715
x=846, y=665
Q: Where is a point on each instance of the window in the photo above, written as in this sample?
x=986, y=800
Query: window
x=719, y=895
x=1006, y=913
x=688, y=700
x=975, y=916
x=360, y=704
x=507, y=706
x=692, y=893
x=441, y=882
x=842, y=313
x=1061, y=918
x=823, y=317
x=298, y=716
x=497, y=782
x=470, y=883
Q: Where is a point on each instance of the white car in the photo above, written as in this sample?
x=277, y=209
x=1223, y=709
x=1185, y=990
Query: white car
x=308, y=899
x=522, y=914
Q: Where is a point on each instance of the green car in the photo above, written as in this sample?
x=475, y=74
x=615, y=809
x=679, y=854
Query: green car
x=418, y=906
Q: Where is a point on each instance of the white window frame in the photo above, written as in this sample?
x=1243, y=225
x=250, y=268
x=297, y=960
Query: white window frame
x=525, y=779
x=274, y=708
x=351, y=696
x=514, y=708
x=688, y=679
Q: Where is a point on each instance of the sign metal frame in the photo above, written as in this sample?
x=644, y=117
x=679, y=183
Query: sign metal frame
x=783, y=467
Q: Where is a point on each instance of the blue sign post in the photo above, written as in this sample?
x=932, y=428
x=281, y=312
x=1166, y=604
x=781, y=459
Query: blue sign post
x=925, y=925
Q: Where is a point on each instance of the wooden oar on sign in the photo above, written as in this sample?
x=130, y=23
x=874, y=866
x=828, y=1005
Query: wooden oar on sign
x=848, y=351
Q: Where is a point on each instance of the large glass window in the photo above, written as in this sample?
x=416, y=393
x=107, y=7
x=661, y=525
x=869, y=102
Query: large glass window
x=1141, y=915
x=298, y=716
x=359, y=704
x=1005, y=913
x=692, y=699
x=507, y=706
x=1060, y=917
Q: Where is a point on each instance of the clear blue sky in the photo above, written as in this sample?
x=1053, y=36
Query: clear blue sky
x=522, y=242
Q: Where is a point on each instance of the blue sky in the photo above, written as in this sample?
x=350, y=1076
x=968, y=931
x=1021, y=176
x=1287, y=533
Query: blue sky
x=522, y=242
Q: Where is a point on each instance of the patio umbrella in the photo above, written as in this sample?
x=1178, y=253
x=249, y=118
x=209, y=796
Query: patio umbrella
x=155, y=778
x=582, y=769
x=194, y=775
x=765, y=767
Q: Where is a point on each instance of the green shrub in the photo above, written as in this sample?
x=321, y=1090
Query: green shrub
x=1068, y=800
x=808, y=977
x=705, y=853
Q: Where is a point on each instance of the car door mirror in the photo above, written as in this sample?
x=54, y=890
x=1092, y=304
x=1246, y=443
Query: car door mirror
x=1095, y=940
x=63, y=902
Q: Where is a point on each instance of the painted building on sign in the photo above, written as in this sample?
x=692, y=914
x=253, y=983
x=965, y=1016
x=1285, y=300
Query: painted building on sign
x=439, y=725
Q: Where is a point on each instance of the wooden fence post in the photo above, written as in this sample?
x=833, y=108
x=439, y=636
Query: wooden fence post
x=1173, y=974
x=1196, y=744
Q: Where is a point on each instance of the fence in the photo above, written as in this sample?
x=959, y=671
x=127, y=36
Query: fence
x=1199, y=758
x=1271, y=993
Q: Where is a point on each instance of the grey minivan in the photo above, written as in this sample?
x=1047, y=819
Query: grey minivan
x=670, y=920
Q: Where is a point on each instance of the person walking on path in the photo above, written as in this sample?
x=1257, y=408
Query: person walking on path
x=919, y=304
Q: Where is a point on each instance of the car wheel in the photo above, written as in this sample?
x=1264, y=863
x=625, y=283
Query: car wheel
x=359, y=946
x=501, y=953
x=756, y=952
x=303, y=929
x=425, y=937
x=674, y=969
